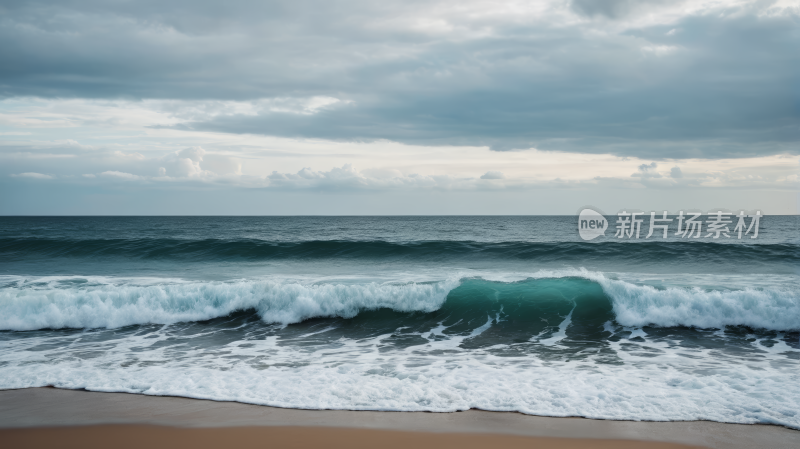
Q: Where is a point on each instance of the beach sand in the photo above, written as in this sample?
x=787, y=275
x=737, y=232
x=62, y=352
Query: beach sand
x=50, y=417
x=137, y=437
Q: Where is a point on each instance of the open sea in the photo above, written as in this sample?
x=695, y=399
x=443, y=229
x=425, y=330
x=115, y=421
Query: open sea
x=407, y=313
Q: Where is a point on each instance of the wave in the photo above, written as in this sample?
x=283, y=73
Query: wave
x=254, y=250
x=634, y=305
x=545, y=296
x=122, y=305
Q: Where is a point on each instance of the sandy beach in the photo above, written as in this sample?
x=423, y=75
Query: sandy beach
x=121, y=436
x=40, y=417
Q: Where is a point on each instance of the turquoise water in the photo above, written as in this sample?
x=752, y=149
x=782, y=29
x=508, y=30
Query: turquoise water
x=406, y=313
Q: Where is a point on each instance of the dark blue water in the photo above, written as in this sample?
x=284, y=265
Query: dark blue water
x=407, y=313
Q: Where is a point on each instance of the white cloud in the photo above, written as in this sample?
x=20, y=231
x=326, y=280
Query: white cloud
x=34, y=112
x=32, y=175
x=120, y=175
x=42, y=121
x=303, y=106
x=34, y=155
x=183, y=163
x=132, y=156
x=174, y=156
x=659, y=50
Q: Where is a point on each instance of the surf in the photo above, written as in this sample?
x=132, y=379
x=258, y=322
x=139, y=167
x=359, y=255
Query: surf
x=100, y=302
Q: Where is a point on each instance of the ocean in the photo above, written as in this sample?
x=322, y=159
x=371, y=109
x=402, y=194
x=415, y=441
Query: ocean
x=435, y=314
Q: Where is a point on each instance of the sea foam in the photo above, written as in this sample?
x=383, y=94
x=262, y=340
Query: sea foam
x=640, y=305
x=365, y=374
x=431, y=367
x=111, y=305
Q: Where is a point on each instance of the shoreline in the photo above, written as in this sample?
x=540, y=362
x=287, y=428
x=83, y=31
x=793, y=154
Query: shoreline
x=29, y=411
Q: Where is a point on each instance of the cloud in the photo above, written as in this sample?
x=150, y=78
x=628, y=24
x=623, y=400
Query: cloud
x=32, y=175
x=297, y=98
x=348, y=178
x=615, y=9
x=111, y=174
x=344, y=177
x=223, y=165
x=181, y=164
x=173, y=158
x=587, y=76
x=647, y=171
x=492, y=175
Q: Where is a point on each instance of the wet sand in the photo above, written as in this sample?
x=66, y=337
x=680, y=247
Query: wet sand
x=42, y=417
x=137, y=437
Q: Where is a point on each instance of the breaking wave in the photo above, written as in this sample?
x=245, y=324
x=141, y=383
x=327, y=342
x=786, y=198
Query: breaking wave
x=107, y=303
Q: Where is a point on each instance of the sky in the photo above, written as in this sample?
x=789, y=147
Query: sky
x=242, y=107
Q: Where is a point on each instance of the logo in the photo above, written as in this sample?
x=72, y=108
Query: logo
x=591, y=224
x=632, y=225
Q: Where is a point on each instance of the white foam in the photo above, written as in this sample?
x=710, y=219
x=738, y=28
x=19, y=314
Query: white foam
x=647, y=380
x=560, y=334
x=111, y=305
x=664, y=383
x=778, y=346
x=60, y=302
x=636, y=305
x=641, y=305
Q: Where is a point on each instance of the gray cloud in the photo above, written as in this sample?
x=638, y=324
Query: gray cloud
x=647, y=171
x=724, y=86
x=613, y=9
x=492, y=175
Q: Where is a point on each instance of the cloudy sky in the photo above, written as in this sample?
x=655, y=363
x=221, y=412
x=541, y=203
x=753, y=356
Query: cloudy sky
x=398, y=107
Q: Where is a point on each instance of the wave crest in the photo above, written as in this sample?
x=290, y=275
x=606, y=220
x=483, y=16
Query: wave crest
x=45, y=305
x=113, y=306
x=637, y=306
